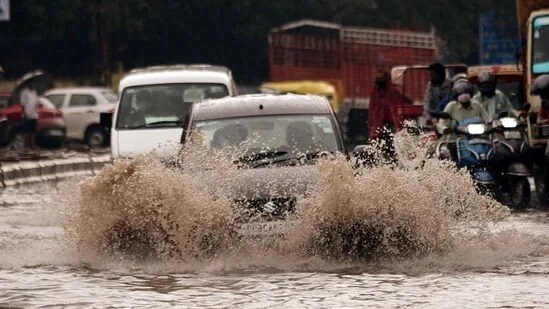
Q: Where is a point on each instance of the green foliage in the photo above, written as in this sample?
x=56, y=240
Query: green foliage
x=60, y=35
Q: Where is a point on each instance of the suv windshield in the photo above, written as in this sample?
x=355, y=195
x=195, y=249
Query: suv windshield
x=153, y=106
x=270, y=136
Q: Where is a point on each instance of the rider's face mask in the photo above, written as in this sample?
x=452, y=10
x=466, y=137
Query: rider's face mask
x=464, y=99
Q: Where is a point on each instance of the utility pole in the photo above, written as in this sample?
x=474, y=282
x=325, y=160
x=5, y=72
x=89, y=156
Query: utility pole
x=103, y=51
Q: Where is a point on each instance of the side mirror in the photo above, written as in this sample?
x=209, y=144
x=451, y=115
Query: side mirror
x=105, y=120
x=360, y=150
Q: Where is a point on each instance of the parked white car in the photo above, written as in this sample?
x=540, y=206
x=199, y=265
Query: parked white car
x=155, y=101
x=81, y=108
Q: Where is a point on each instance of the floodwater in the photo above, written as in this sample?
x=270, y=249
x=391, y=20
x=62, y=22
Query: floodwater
x=503, y=263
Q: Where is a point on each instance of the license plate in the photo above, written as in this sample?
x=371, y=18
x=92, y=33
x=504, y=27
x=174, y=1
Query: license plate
x=55, y=133
x=264, y=228
x=512, y=135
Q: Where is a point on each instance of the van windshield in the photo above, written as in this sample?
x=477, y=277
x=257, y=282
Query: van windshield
x=160, y=106
x=540, y=55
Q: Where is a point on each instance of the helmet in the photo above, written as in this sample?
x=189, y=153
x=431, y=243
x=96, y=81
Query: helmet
x=487, y=82
x=541, y=86
x=462, y=86
x=459, y=77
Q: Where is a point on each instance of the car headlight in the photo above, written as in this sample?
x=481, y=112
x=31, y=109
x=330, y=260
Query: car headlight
x=443, y=152
x=476, y=128
x=509, y=122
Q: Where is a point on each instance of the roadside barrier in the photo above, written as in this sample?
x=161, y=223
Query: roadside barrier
x=52, y=169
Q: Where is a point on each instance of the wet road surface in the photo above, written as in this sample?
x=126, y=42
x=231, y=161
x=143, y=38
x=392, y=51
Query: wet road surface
x=38, y=269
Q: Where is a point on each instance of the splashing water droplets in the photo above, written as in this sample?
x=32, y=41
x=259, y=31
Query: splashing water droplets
x=144, y=209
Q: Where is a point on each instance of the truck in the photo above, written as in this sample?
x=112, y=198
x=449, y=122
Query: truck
x=349, y=56
x=533, y=24
x=318, y=50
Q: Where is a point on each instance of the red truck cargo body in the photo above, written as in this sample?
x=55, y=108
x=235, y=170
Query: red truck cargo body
x=312, y=50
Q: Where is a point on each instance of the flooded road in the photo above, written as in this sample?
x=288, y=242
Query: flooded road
x=507, y=268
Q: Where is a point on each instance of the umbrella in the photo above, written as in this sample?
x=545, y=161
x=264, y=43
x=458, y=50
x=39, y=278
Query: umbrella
x=41, y=81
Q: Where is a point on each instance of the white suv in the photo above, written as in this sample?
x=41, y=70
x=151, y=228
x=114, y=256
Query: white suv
x=81, y=109
x=155, y=101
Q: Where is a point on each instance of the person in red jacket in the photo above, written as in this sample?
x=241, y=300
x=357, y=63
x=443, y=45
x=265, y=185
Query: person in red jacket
x=384, y=95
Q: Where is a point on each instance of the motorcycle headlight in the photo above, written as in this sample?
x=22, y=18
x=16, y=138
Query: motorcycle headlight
x=509, y=122
x=476, y=128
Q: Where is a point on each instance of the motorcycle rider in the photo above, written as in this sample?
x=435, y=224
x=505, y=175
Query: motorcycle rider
x=541, y=88
x=492, y=99
x=438, y=88
x=463, y=107
x=450, y=96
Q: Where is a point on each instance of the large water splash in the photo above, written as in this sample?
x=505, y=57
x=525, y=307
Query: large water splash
x=388, y=212
x=145, y=209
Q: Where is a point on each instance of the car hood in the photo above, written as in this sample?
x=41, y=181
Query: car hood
x=275, y=182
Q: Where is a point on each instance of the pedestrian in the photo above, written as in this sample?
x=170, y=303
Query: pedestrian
x=29, y=101
x=384, y=95
x=438, y=88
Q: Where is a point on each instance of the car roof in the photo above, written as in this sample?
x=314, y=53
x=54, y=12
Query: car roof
x=78, y=89
x=261, y=104
x=172, y=74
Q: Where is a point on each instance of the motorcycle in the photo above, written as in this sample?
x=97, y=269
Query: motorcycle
x=496, y=155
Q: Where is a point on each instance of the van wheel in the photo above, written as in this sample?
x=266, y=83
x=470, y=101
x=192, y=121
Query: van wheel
x=96, y=137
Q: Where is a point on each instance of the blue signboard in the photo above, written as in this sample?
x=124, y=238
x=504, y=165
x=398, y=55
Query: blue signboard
x=498, y=38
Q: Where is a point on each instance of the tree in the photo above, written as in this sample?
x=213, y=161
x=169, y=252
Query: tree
x=71, y=37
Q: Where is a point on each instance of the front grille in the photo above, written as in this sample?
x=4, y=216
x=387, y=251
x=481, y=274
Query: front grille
x=264, y=209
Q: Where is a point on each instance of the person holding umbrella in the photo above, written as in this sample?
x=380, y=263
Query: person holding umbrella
x=29, y=101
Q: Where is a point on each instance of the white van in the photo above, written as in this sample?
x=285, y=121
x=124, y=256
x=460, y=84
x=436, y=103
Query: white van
x=155, y=101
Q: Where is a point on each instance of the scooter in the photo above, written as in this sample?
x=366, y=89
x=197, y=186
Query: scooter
x=510, y=162
x=472, y=149
x=496, y=155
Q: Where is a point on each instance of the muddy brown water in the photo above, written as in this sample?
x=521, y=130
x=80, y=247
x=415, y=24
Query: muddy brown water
x=506, y=265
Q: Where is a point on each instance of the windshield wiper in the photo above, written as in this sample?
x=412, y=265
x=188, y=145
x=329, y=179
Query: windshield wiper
x=176, y=122
x=261, y=155
x=289, y=157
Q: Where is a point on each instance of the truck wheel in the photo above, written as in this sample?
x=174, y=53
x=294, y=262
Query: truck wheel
x=96, y=137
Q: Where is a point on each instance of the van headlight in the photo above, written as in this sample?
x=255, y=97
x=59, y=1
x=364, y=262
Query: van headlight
x=476, y=128
x=509, y=122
